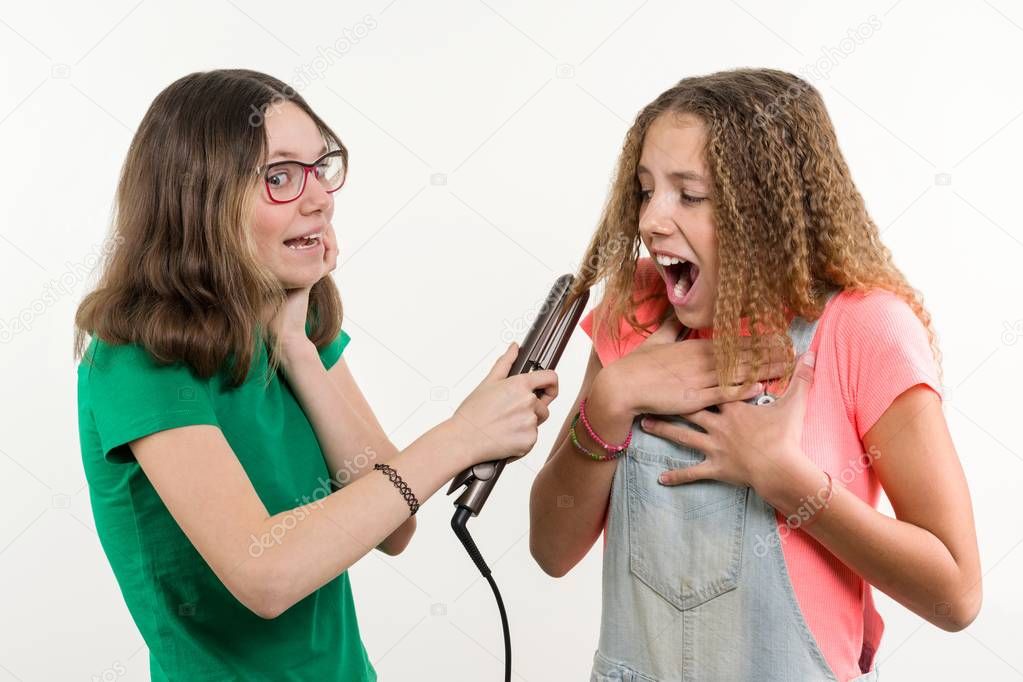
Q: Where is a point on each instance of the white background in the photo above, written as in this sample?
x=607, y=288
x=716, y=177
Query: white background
x=482, y=139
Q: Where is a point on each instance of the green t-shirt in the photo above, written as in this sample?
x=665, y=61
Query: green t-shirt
x=195, y=629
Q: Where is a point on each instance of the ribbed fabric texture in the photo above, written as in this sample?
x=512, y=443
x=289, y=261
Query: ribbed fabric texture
x=870, y=348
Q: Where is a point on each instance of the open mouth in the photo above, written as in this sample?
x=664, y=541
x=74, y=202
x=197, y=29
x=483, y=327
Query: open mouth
x=308, y=241
x=680, y=277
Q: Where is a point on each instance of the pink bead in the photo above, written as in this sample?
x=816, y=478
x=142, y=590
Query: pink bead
x=597, y=439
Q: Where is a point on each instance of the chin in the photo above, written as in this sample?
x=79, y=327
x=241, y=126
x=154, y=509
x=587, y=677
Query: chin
x=693, y=320
x=296, y=280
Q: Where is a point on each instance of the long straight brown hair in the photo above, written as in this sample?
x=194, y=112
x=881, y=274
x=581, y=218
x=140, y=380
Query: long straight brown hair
x=182, y=278
x=790, y=222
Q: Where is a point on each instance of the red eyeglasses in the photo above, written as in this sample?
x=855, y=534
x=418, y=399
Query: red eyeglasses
x=285, y=180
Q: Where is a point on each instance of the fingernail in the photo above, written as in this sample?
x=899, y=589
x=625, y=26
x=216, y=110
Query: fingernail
x=808, y=358
x=663, y=478
x=645, y=423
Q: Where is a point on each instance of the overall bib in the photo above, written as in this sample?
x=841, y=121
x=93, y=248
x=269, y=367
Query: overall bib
x=695, y=585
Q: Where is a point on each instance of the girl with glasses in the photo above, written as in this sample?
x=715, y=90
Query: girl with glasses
x=235, y=469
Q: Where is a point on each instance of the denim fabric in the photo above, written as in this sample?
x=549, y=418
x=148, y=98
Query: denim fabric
x=695, y=585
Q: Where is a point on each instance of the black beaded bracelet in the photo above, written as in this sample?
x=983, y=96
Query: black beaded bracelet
x=402, y=487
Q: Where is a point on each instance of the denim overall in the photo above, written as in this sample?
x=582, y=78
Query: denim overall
x=695, y=585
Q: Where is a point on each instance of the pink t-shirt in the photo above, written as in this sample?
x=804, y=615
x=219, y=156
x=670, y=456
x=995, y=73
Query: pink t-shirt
x=870, y=348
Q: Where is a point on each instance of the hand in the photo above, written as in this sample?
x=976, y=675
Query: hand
x=744, y=444
x=663, y=376
x=293, y=315
x=330, y=251
x=500, y=417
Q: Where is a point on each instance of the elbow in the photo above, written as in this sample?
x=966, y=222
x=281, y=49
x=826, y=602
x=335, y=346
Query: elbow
x=549, y=562
x=265, y=601
x=392, y=549
x=395, y=545
x=958, y=614
x=396, y=542
x=267, y=611
x=262, y=602
x=262, y=589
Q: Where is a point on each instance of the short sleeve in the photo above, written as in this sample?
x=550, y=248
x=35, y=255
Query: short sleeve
x=608, y=350
x=330, y=353
x=603, y=345
x=882, y=350
x=130, y=396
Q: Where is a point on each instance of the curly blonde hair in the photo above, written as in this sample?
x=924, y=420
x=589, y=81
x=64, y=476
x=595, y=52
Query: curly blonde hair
x=790, y=223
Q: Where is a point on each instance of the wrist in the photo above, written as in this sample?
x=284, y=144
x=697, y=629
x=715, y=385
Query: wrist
x=611, y=394
x=793, y=486
x=295, y=351
x=463, y=449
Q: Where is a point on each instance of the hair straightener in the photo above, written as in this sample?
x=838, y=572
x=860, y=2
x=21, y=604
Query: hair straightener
x=541, y=349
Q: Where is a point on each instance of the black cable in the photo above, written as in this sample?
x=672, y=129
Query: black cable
x=458, y=522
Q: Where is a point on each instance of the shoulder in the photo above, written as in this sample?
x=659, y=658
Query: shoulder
x=881, y=348
x=115, y=367
x=875, y=316
x=105, y=356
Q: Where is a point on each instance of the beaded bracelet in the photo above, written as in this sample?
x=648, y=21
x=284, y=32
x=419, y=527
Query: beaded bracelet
x=597, y=439
x=406, y=492
x=579, y=446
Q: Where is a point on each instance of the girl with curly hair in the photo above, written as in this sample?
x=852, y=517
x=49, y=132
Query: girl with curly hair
x=736, y=486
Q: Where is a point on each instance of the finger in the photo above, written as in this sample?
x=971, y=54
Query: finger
x=727, y=394
x=697, y=472
x=504, y=364
x=542, y=379
x=705, y=419
x=541, y=412
x=683, y=435
x=548, y=395
x=799, y=387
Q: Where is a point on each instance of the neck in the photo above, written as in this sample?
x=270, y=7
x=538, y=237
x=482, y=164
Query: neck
x=708, y=332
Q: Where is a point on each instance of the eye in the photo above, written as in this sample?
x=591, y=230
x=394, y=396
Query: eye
x=689, y=199
x=278, y=178
x=644, y=194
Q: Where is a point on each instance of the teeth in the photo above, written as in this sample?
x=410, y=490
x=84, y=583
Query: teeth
x=311, y=238
x=665, y=261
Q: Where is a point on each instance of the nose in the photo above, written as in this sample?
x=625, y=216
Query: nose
x=315, y=196
x=655, y=218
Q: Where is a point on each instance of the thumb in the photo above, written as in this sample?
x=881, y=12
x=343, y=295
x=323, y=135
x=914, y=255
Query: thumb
x=802, y=377
x=503, y=364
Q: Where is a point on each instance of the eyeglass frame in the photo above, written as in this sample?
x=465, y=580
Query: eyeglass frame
x=306, y=169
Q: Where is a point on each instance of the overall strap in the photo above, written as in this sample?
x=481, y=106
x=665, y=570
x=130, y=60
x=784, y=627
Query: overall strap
x=801, y=330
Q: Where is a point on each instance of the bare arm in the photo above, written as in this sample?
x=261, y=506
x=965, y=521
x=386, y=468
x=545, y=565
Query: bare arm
x=365, y=444
x=661, y=376
x=569, y=497
x=203, y=485
x=927, y=557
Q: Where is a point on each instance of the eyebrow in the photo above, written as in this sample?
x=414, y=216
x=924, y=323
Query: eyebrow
x=284, y=154
x=681, y=175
